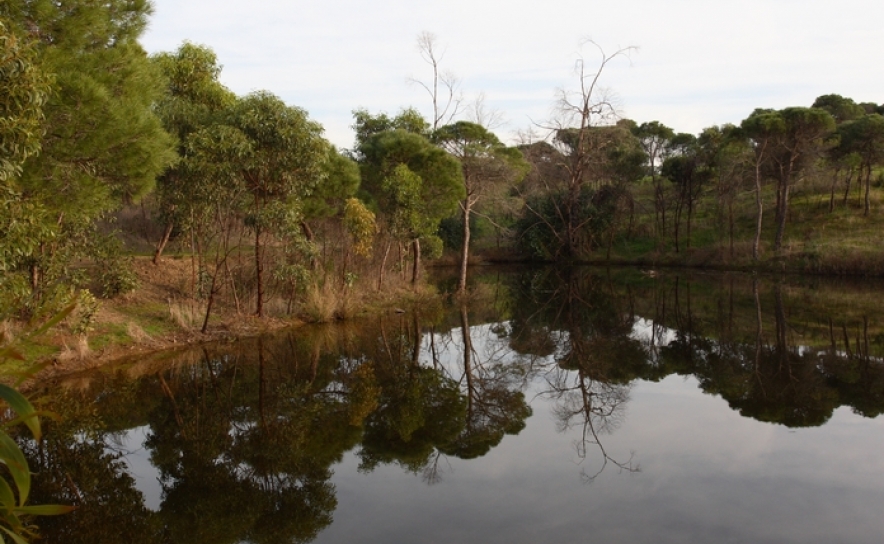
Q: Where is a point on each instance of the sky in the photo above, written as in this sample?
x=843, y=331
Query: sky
x=695, y=64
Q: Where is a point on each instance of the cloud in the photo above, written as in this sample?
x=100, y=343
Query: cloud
x=699, y=63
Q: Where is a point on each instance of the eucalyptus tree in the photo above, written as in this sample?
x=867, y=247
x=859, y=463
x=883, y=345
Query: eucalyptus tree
x=193, y=99
x=24, y=88
x=486, y=163
x=444, y=86
x=208, y=203
x=282, y=165
x=413, y=182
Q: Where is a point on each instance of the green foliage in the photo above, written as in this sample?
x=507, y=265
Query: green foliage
x=103, y=142
x=361, y=225
x=539, y=231
x=338, y=184
x=87, y=306
x=841, y=108
x=431, y=178
x=23, y=91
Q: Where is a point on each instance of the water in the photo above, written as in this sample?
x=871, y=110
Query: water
x=591, y=406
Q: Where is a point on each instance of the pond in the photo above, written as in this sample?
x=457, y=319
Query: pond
x=557, y=405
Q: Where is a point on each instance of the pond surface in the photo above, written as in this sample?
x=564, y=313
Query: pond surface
x=558, y=405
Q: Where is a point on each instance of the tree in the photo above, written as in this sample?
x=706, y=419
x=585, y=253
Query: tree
x=282, y=166
x=414, y=183
x=580, y=112
x=688, y=170
x=654, y=137
x=24, y=88
x=103, y=143
x=208, y=202
x=762, y=128
x=341, y=181
x=443, y=89
x=841, y=108
x=727, y=154
x=864, y=138
x=786, y=142
x=485, y=162
x=193, y=99
x=24, y=224
x=803, y=139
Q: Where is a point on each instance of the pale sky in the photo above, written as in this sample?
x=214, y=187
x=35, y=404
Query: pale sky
x=699, y=63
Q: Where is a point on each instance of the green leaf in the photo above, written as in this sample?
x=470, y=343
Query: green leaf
x=15, y=538
x=15, y=461
x=7, y=497
x=22, y=406
x=46, y=510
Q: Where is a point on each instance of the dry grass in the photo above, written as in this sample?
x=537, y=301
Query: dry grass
x=186, y=314
x=79, y=351
x=9, y=330
x=136, y=333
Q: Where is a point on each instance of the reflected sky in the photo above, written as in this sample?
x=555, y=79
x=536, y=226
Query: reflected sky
x=706, y=475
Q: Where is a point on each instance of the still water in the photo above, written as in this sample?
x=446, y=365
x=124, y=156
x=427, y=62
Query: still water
x=557, y=405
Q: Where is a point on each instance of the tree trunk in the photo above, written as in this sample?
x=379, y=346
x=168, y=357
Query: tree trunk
x=677, y=225
x=384, y=264
x=760, y=211
x=690, y=214
x=259, y=266
x=847, y=186
x=259, y=274
x=782, y=211
x=867, y=204
x=416, y=267
x=210, y=302
x=161, y=245
x=465, y=250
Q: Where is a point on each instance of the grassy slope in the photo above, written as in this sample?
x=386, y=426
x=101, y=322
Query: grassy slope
x=816, y=241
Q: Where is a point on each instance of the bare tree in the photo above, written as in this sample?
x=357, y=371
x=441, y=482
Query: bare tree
x=478, y=112
x=444, y=88
x=579, y=112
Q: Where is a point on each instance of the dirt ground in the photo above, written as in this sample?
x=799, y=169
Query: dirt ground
x=158, y=315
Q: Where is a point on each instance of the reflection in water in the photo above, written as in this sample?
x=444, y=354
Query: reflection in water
x=244, y=435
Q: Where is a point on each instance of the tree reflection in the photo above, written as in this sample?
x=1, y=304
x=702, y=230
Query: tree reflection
x=492, y=384
x=595, y=359
x=419, y=409
x=81, y=472
x=762, y=372
x=244, y=443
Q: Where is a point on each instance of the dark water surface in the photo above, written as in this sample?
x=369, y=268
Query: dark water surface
x=588, y=405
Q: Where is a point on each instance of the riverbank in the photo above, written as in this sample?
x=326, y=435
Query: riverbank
x=161, y=315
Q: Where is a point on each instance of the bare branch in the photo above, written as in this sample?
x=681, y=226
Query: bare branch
x=444, y=89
